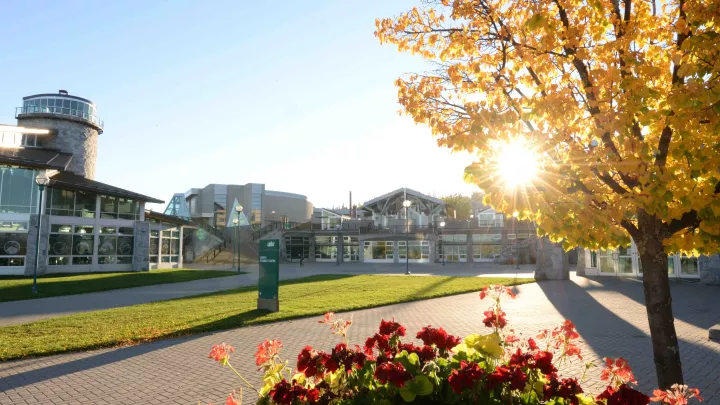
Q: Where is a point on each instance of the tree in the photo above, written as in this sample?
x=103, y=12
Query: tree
x=460, y=204
x=618, y=99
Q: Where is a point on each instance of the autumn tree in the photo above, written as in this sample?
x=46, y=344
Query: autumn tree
x=458, y=203
x=617, y=99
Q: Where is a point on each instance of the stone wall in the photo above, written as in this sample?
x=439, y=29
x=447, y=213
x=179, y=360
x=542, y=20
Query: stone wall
x=74, y=135
x=141, y=250
x=552, y=261
x=32, y=245
x=709, y=268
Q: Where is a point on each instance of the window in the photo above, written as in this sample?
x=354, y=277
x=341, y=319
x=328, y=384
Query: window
x=68, y=244
x=112, y=207
x=593, y=258
x=325, y=252
x=296, y=247
x=379, y=250
x=688, y=266
x=454, y=253
x=154, y=246
x=459, y=238
x=19, y=192
x=350, y=240
x=351, y=253
x=69, y=203
x=15, y=140
x=417, y=249
x=13, y=243
x=486, y=238
x=326, y=240
x=486, y=251
x=116, y=245
x=108, y=206
x=60, y=105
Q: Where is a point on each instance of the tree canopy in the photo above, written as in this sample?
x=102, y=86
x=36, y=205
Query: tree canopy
x=460, y=204
x=619, y=99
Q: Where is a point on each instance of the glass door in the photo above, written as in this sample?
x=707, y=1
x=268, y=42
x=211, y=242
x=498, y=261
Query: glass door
x=618, y=262
x=623, y=261
x=606, y=262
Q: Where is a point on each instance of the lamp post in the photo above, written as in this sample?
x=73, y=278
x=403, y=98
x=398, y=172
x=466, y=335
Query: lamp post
x=239, y=210
x=442, y=242
x=41, y=180
x=235, y=222
x=407, y=205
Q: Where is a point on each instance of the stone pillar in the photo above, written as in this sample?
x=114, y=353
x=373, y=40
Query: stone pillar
x=141, y=248
x=470, y=252
x=340, y=243
x=181, y=252
x=552, y=261
x=580, y=269
x=32, y=245
x=396, y=251
x=709, y=269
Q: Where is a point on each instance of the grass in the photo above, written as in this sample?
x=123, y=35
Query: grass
x=20, y=288
x=225, y=310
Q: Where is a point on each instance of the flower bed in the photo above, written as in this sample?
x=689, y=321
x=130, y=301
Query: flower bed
x=495, y=368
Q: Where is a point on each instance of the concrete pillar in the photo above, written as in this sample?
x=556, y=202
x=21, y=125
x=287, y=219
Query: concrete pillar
x=580, y=268
x=180, y=248
x=396, y=251
x=469, y=248
x=141, y=248
x=552, y=261
x=32, y=244
x=709, y=269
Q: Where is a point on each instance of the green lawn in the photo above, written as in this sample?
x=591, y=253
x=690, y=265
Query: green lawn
x=224, y=310
x=20, y=288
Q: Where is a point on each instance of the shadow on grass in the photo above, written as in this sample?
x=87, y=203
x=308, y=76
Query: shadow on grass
x=69, y=284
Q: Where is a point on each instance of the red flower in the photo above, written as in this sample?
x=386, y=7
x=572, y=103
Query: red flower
x=568, y=389
x=381, y=342
x=311, y=362
x=395, y=373
x=285, y=393
x=267, y=350
x=328, y=318
x=495, y=291
x=624, y=395
x=342, y=355
x=231, y=400
x=221, y=353
x=617, y=371
x=388, y=328
x=313, y=395
x=438, y=337
x=543, y=362
x=520, y=359
x=502, y=374
x=465, y=377
x=676, y=395
x=425, y=353
x=531, y=343
x=492, y=321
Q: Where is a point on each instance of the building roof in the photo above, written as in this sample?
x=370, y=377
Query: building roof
x=35, y=158
x=75, y=182
x=403, y=190
x=166, y=218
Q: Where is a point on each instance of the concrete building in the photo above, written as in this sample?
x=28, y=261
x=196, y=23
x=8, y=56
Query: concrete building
x=85, y=225
x=213, y=205
x=385, y=231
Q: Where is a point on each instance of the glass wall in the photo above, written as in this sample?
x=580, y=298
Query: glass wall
x=16, y=140
x=256, y=203
x=115, y=245
x=379, y=250
x=112, y=207
x=326, y=248
x=70, y=203
x=154, y=246
x=170, y=246
x=13, y=243
x=486, y=247
x=351, y=249
x=417, y=250
x=297, y=247
x=71, y=244
x=18, y=191
x=61, y=105
x=454, y=253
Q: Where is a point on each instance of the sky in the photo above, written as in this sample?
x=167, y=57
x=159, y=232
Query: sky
x=298, y=96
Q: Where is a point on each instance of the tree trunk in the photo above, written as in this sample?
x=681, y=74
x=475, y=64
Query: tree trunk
x=658, y=301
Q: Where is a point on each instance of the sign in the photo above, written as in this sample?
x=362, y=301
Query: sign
x=269, y=277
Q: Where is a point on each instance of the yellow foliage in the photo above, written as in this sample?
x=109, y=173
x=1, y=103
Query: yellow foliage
x=623, y=110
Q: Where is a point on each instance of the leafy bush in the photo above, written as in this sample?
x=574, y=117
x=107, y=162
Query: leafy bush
x=495, y=368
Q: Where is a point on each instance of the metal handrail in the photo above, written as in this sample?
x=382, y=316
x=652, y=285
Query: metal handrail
x=60, y=110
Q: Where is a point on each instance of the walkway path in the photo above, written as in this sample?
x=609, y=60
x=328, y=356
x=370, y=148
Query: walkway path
x=608, y=312
x=17, y=312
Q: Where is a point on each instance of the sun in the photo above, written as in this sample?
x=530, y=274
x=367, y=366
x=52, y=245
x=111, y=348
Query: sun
x=517, y=163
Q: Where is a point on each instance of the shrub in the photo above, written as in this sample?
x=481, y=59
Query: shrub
x=494, y=368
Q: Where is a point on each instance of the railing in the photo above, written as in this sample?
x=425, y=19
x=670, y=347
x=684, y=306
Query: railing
x=273, y=226
x=62, y=111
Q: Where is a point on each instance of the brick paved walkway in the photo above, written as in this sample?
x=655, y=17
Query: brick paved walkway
x=608, y=313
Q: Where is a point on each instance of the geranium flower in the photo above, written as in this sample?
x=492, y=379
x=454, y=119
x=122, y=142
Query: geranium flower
x=342, y=355
x=623, y=395
x=267, y=350
x=502, y=374
x=495, y=291
x=388, y=328
x=543, y=362
x=311, y=362
x=394, y=373
x=466, y=377
x=493, y=320
x=382, y=342
x=532, y=345
x=519, y=358
x=438, y=337
x=285, y=393
x=568, y=389
x=425, y=353
x=618, y=372
x=233, y=400
x=677, y=395
x=328, y=318
x=221, y=353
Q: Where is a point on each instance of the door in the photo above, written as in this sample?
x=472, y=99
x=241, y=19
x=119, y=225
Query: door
x=617, y=262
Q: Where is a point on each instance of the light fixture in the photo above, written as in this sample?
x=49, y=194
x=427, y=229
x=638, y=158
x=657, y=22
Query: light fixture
x=42, y=179
x=239, y=208
x=442, y=224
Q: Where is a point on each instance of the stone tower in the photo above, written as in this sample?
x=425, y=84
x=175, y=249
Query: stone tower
x=74, y=126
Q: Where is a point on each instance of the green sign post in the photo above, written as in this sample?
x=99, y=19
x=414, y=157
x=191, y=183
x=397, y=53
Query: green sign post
x=269, y=275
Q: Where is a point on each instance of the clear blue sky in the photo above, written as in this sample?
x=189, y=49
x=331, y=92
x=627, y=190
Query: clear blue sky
x=298, y=96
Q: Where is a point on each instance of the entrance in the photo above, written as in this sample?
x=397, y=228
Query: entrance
x=617, y=262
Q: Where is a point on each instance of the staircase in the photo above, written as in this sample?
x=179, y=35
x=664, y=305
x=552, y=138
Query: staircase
x=223, y=255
